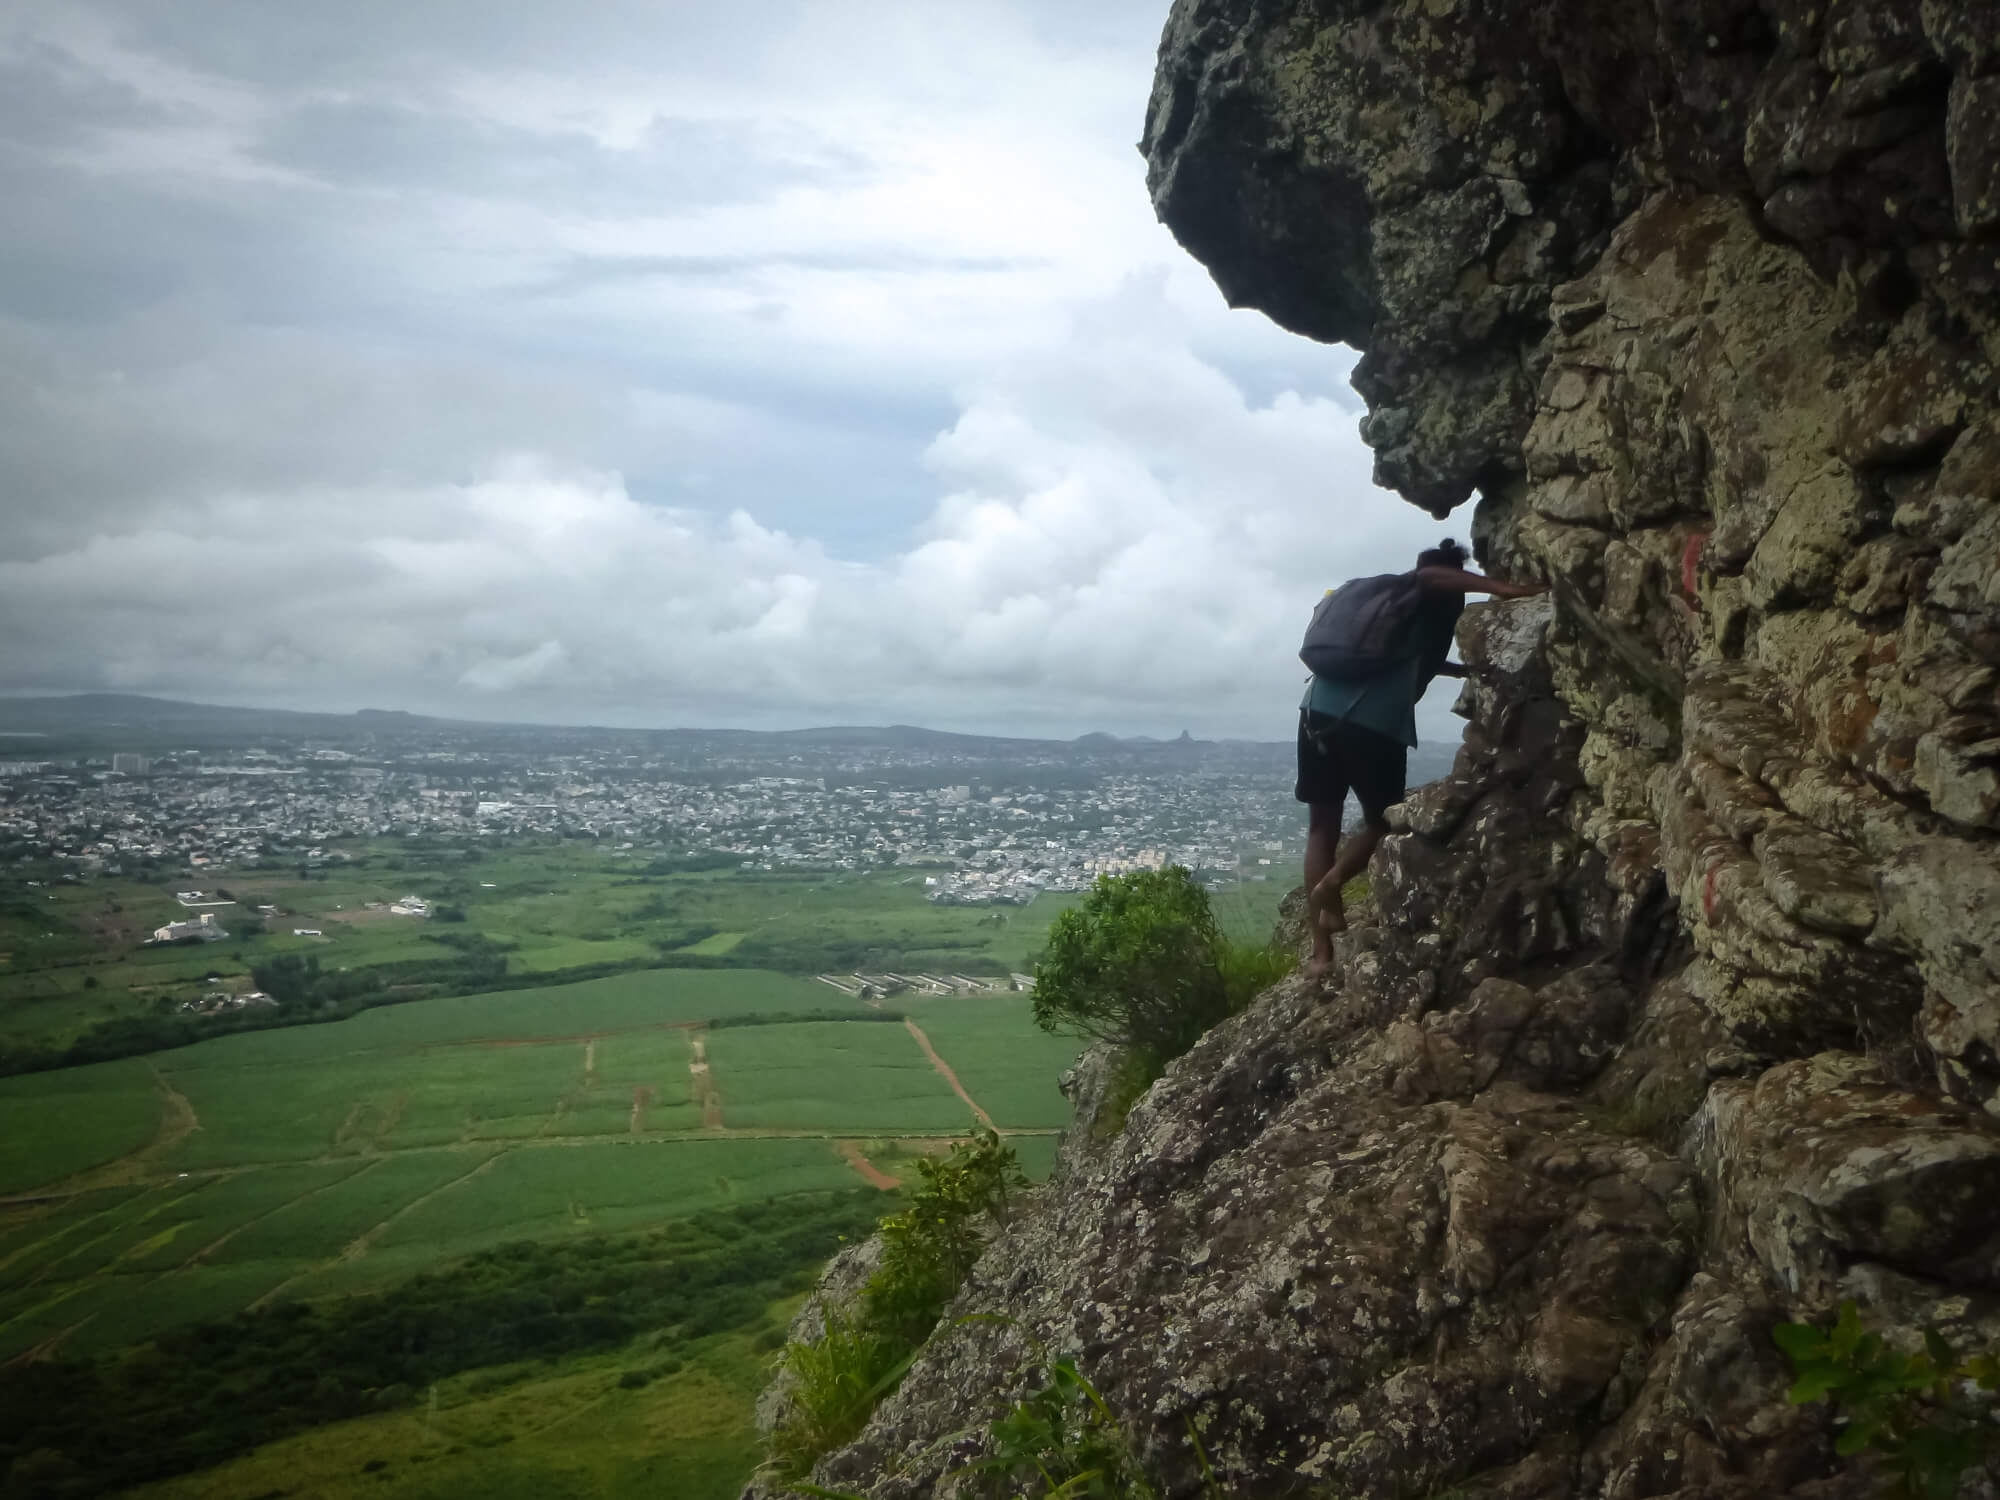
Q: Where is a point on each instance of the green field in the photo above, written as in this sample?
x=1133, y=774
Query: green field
x=276, y=1171
x=73, y=955
x=832, y=1076
x=614, y=1364
x=331, y=1158
x=1002, y=1061
x=56, y=1124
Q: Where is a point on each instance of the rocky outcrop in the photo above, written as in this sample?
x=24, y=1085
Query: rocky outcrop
x=1681, y=1012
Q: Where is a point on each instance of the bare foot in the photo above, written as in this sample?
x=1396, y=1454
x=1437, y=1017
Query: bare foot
x=1315, y=911
x=1317, y=966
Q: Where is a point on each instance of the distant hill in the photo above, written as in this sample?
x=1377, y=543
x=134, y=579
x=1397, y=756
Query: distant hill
x=85, y=713
x=100, y=719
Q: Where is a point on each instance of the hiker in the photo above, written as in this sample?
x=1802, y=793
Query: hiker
x=1374, y=646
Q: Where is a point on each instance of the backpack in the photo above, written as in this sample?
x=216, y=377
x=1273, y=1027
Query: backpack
x=1363, y=627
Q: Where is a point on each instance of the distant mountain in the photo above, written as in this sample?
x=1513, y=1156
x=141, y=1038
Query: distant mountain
x=105, y=719
x=84, y=713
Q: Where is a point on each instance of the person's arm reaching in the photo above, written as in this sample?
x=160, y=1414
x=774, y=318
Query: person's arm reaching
x=1458, y=581
x=1454, y=669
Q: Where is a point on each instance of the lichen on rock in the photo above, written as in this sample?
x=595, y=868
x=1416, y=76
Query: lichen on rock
x=1680, y=1012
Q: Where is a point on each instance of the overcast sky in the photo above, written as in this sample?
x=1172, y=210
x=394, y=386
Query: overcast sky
x=651, y=363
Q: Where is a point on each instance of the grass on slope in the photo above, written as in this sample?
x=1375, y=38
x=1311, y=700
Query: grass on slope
x=575, y=1431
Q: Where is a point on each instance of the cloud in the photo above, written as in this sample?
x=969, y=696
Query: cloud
x=1120, y=538
x=644, y=365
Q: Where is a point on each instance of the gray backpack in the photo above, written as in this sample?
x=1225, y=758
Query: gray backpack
x=1363, y=627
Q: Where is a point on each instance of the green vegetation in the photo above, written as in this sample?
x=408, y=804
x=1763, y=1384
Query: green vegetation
x=56, y=1124
x=1143, y=965
x=79, y=983
x=1913, y=1411
x=204, y=1393
x=1250, y=968
x=838, y=1378
x=212, y=1245
x=1135, y=965
x=261, y=1171
x=305, y=1162
x=1002, y=1059
x=928, y=1248
x=635, y=1423
x=1060, y=1442
x=831, y=1075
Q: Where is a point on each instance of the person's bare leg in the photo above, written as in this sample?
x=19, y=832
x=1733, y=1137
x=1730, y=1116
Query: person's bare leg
x=1325, y=897
x=1322, y=840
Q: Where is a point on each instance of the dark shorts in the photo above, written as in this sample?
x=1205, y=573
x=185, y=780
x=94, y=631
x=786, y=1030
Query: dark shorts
x=1336, y=758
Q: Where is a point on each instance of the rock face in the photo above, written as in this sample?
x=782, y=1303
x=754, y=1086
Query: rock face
x=1681, y=1012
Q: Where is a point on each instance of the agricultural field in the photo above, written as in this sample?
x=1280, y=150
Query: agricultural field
x=73, y=955
x=276, y=1165
x=261, y=1173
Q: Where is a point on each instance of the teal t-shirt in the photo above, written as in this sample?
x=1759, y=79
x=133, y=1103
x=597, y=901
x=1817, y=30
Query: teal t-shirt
x=1386, y=702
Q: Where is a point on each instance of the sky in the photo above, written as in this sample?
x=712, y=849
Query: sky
x=648, y=364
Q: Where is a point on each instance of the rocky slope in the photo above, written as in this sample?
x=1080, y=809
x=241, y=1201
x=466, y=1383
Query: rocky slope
x=1682, y=1014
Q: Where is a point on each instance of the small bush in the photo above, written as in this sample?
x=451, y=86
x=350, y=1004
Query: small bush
x=927, y=1251
x=838, y=1378
x=1916, y=1411
x=1061, y=1440
x=1142, y=965
x=1137, y=964
x=836, y=1381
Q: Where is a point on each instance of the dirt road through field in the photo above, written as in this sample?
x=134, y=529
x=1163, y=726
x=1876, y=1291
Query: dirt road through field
x=945, y=1072
x=856, y=1158
x=704, y=1084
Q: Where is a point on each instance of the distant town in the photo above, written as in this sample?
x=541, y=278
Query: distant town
x=979, y=821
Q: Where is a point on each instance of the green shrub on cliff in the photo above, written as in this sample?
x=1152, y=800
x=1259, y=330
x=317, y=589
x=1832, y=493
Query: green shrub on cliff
x=1061, y=1442
x=860, y=1355
x=927, y=1251
x=1916, y=1411
x=1137, y=964
x=1141, y=964
x=837, y=1379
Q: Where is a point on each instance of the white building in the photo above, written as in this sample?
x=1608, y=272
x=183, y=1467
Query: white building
x=204, y=927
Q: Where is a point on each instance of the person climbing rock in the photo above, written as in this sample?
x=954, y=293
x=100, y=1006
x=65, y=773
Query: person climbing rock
x=1374, y=645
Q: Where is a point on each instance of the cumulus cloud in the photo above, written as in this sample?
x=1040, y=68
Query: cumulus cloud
x=647, y=368
x=1121, y=538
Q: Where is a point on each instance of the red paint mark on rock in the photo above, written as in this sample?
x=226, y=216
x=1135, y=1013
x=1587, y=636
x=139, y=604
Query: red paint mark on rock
x=1690, y=559
x=1708, y=892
